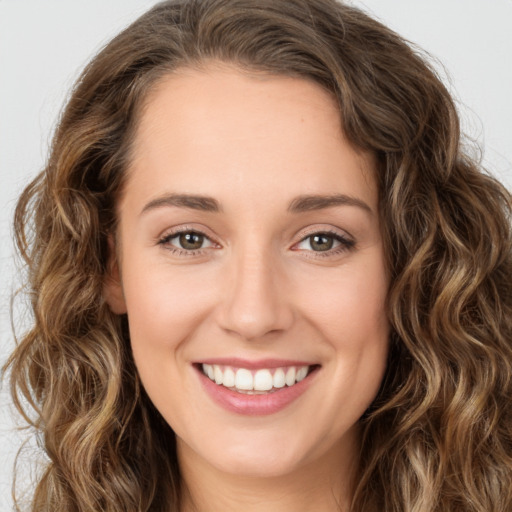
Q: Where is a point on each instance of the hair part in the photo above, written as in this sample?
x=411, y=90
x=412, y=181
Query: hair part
x=439, y=435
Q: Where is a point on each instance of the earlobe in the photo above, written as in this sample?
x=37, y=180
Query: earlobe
x=112, y=286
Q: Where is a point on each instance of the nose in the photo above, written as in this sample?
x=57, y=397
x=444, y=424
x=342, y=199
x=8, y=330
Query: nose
x=255, y=300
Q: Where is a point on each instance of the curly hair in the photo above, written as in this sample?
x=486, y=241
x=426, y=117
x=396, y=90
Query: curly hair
x=438, y=437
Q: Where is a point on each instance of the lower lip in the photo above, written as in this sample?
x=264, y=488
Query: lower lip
x=255, y=405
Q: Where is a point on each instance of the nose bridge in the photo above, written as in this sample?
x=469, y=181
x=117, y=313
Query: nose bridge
x=254, y=303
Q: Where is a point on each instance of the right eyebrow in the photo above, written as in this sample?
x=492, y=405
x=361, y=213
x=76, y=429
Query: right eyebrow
x=319, y=202
x=194, y=202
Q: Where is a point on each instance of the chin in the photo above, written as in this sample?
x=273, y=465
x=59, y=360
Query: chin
x=260, y=454
x=250, y=463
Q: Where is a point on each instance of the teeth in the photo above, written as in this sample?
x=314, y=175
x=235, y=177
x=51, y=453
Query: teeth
x=289, y=377
x=229, y=378
x=242, y=379
x=263, y=380
x=301, y=373
x=208, y=370
x=279, y=380
x=217, y=374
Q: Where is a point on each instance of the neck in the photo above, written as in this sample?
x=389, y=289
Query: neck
x=325, y=483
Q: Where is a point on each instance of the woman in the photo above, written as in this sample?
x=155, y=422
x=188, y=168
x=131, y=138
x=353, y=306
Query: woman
x=264, y=276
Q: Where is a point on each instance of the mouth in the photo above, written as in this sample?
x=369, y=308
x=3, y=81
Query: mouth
x=255, y=388
x=256, y=382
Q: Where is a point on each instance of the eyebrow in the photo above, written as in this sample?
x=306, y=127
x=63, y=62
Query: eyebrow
x=319, y=202
x=298, y=205
x=194, y=202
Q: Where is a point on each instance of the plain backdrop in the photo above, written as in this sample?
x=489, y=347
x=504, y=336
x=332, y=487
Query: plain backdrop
x=45, y=44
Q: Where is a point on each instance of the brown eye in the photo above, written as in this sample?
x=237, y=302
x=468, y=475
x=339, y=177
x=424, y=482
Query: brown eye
x=321, y=242
x=186, y=241
x=191, y=241
x=325, y=242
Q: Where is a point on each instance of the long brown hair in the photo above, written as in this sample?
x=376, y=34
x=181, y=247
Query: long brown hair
x=439, y=434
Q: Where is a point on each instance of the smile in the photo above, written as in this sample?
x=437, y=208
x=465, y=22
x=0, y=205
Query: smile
x=255, y=388
x=261, y=381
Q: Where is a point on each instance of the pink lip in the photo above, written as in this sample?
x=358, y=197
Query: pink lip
x=254, y=405
x=252, y=364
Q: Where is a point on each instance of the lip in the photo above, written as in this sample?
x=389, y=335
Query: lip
x=254, y=405
x=253, y=364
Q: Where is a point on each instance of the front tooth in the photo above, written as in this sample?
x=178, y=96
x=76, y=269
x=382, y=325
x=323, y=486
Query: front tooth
x=279, y=379
x=217, y=373
x=208, y=370
x=263, y=380
x=243, y=379
x=229, y=378
x=290, y=376
x=301, y=373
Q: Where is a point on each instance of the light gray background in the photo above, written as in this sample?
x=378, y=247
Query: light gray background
x=44, y=44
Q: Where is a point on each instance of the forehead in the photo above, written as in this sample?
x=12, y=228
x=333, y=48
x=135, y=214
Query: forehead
x=201, y=129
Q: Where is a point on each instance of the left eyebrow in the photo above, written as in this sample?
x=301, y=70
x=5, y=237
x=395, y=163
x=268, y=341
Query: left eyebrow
x=194, y=202
x=319, y=202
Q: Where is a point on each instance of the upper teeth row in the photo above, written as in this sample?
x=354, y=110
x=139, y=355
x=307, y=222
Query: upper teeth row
x=261, y=380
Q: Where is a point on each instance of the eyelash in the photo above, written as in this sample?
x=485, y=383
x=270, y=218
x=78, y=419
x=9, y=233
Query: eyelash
x=166, y=242
x=345, y=244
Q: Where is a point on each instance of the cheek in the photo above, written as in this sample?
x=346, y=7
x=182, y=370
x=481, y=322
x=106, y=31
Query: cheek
x=355, y=326
x=349, y=304
x=165, y=305
x=349, y=310
x=165, y=309
x=358, y=332
x=361, y=316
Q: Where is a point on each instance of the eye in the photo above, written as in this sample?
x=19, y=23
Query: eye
x=324, y=242
x=187, y=241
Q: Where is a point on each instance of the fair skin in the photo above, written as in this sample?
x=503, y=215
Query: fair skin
x=249, y=239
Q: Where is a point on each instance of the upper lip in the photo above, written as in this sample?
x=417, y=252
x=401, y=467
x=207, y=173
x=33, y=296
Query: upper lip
x=253, y=364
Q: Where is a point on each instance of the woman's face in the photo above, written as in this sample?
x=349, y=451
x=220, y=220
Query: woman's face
x=250, y=257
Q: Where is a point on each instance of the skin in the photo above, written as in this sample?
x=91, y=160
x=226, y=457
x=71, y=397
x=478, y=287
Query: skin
x=257, y=288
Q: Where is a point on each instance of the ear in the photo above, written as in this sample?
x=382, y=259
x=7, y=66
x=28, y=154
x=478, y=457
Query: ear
x=112, y=286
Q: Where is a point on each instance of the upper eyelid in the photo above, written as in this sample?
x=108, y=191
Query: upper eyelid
x=330, y=230
x=175, y=231
x=176, y=234
x=332, y=234
x=301, y=234
x=344, y=242
x=304, y=232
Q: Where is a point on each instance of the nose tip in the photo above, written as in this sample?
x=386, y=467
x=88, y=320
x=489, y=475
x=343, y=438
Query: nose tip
x=255, y=303
x=250, y=327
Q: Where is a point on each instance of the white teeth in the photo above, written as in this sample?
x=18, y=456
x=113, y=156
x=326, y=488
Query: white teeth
x=218, y=375
x=301, y=373
x=290, y=376
x=278, y=379
x=208, y=369
x=243, y=379
x=229, y=378
x=262, y=380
